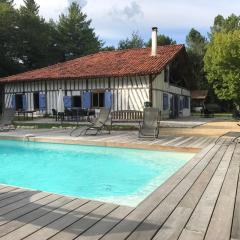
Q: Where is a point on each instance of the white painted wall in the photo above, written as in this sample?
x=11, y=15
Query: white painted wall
x=159, y=87
x=129, y=93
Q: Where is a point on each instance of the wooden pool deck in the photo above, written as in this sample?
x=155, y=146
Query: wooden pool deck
x=115, y=139
x=200, y=201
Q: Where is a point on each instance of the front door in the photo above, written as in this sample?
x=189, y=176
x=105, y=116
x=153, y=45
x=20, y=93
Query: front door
x=1, y=98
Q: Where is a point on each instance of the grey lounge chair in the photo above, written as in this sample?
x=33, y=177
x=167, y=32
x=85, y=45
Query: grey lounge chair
x=99, y=124
x=150, y=125
x=6, y=120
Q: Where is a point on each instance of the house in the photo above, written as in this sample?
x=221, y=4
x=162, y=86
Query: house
x=198, y=98
x=122, y=80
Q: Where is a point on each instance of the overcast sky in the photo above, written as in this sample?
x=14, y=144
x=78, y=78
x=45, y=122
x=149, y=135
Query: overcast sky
x=114, y=20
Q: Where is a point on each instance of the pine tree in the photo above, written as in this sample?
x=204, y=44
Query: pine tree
x=35, y=37
x=196, y=44
x=75, y=36
x=8, y=38
x=30, y=7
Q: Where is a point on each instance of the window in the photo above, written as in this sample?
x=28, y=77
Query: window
x=98, y=99
x=165, y=101
x=19, y=102
x=76, y=101
x=186, y=102
x=36, y=101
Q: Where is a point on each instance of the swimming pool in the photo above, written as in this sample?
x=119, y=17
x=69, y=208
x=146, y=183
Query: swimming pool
x=118, y=175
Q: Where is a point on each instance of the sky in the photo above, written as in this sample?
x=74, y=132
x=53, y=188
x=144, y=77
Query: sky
x=114, y=20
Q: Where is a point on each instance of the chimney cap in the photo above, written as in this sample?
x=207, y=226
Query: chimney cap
x=154, y=28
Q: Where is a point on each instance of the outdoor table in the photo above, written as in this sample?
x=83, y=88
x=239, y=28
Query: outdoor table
x=25, y=114
x=87, y=112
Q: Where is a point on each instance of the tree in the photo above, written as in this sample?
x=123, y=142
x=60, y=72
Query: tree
x=134, y=42
x=9, y=2
x=222, y=61
x=162, y=40
x=196, y=44
x=30, y=7
x=8, y=38
x=35, y=39
x=75, y=37
x=108, y=48
x=222, y=24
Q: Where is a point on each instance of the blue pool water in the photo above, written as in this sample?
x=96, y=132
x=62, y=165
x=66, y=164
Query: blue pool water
x=119, y=175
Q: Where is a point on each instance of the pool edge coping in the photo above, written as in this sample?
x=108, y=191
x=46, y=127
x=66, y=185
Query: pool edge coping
x=153, y=147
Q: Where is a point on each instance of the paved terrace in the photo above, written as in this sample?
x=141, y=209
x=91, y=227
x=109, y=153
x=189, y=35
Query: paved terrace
x=200, y=201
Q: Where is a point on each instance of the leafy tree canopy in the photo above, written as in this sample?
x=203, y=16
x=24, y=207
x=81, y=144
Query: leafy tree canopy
x=222, y=24
x=222, y=61
x=162, y=40
x=75, y=36
x=135, y=41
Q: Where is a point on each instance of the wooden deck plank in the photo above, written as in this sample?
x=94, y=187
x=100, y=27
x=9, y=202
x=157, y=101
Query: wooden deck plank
x=130, y=223
x=29, y=207
x=149, y=227
x=17, y=197
x=198, y=223
x=3, y=186
x=172, y=228
x=182, y=143
x=43, y=221
x=27, y=218
x=63, y=222
x=106, y=224
x=12, y=193
x=221, y=221
x=83, y=224
x=235, y=234
x=5, y=190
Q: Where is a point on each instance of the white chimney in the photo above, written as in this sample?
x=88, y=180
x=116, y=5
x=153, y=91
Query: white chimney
x=154, y=41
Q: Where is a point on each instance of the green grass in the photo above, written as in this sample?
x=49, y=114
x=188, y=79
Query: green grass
x=224, y=115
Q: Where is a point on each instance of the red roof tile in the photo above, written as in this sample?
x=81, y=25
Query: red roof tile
x=105, y=64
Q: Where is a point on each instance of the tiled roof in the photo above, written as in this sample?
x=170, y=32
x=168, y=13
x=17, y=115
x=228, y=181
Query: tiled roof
x=105, y=64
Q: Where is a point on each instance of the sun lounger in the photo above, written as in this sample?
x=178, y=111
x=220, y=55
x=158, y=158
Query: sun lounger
x=96, y=126
x=6, y=120
x=150, y=125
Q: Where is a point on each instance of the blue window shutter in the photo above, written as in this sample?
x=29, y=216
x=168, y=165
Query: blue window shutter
x=108, y=100
x=14, y=101
x=24, y=102
x=42, y=102
x=86, y=103
x=67, y=101
x=165, y=101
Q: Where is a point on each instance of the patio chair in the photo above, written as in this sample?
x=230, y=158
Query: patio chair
x=150, y=125
x=6, y=120
x=99, y=124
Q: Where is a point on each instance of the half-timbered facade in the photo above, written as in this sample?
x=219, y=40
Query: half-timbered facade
x=122, y=80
